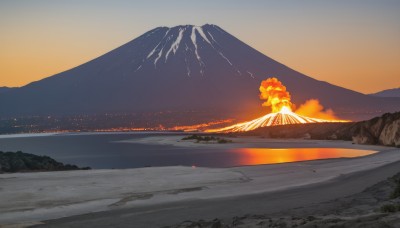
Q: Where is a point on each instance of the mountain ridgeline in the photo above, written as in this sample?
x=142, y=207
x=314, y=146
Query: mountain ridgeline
x=202, y=69
x=387, y=93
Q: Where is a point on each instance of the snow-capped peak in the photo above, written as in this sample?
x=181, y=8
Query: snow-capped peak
x=174, y=47
x=191, y=41
x=201, y=32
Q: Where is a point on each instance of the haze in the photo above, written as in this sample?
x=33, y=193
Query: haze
x=354, y=44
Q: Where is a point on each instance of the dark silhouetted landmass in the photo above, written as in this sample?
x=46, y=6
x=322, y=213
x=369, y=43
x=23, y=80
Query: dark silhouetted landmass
x=383, y=130
x=102, y=122
x=388, y=93
x=11, y=162
x=203, y=69
x=206, y=138
x=5, y=89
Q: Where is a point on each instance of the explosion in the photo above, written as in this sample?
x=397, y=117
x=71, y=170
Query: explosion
x=278, y=99
x=276, y=95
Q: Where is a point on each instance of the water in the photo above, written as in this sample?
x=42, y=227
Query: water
x=102, y=151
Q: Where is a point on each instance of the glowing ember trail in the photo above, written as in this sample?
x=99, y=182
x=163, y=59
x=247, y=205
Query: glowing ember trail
x=278, y=99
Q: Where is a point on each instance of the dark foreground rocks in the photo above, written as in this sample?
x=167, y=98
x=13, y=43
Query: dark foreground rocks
x=375, y=207
x=23, y=162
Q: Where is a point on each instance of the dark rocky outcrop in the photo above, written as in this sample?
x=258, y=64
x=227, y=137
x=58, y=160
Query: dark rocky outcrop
x=23, y=162
x=383, y=130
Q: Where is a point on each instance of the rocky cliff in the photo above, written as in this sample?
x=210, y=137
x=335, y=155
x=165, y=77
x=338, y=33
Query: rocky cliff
x=383, y=130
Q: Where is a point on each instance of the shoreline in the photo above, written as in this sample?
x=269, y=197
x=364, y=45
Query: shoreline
x=361, y=205
x=321, y=199
x=26, y=135
x=251, y=141
x=60, y=194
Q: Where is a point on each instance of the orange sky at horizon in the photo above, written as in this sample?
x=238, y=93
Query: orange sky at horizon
x=358, y=49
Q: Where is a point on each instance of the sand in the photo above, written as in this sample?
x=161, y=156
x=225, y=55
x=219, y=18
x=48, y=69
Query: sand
x=26, y=135
x=362, y=209
x=34, y=197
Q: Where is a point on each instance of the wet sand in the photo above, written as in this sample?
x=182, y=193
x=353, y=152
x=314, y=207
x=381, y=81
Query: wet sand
x=34, y=197
x=321, y=204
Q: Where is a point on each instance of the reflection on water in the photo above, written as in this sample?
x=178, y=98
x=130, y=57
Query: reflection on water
x=100, y=151
x=255, y=156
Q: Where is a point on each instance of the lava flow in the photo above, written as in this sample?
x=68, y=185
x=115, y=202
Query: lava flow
x=278, y=99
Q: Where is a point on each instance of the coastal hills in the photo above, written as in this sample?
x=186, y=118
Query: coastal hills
x=11, y=162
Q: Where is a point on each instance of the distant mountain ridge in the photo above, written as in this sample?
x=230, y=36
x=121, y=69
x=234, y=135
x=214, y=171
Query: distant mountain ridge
x=203, y=69
x=387, y=93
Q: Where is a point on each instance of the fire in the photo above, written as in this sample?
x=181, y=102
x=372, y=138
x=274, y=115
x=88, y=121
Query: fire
x=278, y=99
x=276, y=95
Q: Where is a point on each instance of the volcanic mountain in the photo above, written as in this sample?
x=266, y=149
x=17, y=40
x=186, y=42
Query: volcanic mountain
x=202, y=69
x=283, y=117
x=278, y=99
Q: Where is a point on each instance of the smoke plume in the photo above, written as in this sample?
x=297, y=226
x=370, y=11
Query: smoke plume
x=312, y=108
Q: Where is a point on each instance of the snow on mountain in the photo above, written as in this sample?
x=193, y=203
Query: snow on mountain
x=171, y=42
x=203, y=69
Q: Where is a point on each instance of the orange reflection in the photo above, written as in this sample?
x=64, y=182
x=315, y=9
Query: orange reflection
x=256, y=156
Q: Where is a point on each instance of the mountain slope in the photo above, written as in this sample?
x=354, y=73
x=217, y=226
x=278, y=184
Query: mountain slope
x=202, y=69
x=5, y=89
x=387, y=93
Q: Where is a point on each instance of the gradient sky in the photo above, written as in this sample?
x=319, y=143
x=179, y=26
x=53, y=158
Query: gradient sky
x=350, y=43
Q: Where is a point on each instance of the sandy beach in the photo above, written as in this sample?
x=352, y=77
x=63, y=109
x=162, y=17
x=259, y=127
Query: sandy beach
x=29, y=198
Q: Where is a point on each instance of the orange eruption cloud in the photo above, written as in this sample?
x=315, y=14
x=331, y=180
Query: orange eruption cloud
x=278, y=99
x=276, y=95
x=312, y=108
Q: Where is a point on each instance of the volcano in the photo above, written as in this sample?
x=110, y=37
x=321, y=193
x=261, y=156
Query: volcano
x=279, y=100
x=201, y=69
x=283, y=117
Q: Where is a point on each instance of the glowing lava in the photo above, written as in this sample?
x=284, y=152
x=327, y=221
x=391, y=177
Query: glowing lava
x=278, y=99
